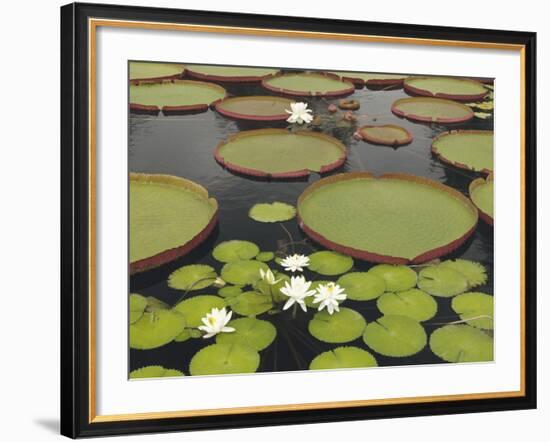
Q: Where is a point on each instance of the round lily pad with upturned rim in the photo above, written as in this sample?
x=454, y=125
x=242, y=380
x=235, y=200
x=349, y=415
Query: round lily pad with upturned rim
x=174, y=96
x=432, y=110
x=395, y=218
x=482, y=194
x=181, y=211
x=279, y=153
x=343, y=357
x=398, y=278
x=256, y=108
x=329, y=263
x=412, y=303
x=141, y=71
x=460, y=89
x=250, y=303
x=275, y=212
x=138, y=303
x=244, y=272
x=154, y=371
x=228, y=74
x=461, y=343
x=372, y=79
x=475, y=308
x=265, y=256
x=192, y=277
x=235, y=250
x=474, y=272
x=362, y=286
x=442, y=281
x=226, y=358
x=308, y=84
x=386, y=135
x=155, y=329
x=396, y=336
x=343, y=326
x=196, y=308
x=255, y=333
x=465, y=149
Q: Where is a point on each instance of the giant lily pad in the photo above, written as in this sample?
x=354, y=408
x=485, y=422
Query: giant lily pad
x=254, y=333
x=396, y=218
x=138, y=304
x=398, y=278
x=343, y=357
x=272, y=212
x=278, y=153
x=432, y=110
x=475, y=308
x=257, y=108
x=466, y=149
x=307, y=84
x=192, y=277
x=169, y=217
x=154, y=371
x=474, y=272
x=224, y=358
x=386, y=134
x=343, y=326
x=155, y=329
x=245, y=272
x=413, y=303
x=461, y=343
x=250, y=303
x=396, y=336
x=362, y=286
x=154, y=71
x=195, y=308
x=228, y=74
x=235, y=250
x=174, y=96
x=372, y=79
x=329, y=263
x=481, y=194
x=461, y=89
x=442, y=281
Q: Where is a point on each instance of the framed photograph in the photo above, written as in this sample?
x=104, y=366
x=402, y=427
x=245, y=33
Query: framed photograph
x=279, y=220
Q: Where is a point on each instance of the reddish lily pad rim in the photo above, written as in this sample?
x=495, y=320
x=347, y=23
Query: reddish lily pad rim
x=239, y=116
x=423, y=119
x=350, y=89
x=375, y=257
x=226, y=78
x=440, y=156
x=384, y=141
x=413, y=90
x=360, y=82
x=478, y=182
x=176, y=252
x=290, y=174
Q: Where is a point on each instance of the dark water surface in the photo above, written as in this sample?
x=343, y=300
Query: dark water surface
x=184, y=145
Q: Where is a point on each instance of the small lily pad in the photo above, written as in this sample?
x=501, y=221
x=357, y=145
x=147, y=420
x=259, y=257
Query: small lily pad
x=474, y=272
x=195, y=308
x=272, y=212
x=442, y=281
x=343, y=326
x=155, y=329
x=265, y=256
x=461, y=343
x=250, y=303
x=192, y=277
x=245, y=272
x=137, y=307
x=254, y=333
x=397, y=278
x=154, y=371
x=362, y=286
x=226, y=358
x=396, y=336
x=330, y=263
x=229, y=291
x=343, y=357
x=475, y=308
x=235, y=250
x=412, y=303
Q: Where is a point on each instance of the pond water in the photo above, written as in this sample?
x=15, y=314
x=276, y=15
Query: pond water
x=183, y=146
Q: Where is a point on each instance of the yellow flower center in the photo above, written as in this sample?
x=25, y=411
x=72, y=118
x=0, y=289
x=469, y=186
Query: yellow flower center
x=212, y=320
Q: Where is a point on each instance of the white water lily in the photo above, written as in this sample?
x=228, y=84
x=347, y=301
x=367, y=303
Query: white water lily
x=299, y=113
x=329, y=296
x=216, y=322
x=218, y=282
x=268, y=276
x=297, y=291
x=295, y=262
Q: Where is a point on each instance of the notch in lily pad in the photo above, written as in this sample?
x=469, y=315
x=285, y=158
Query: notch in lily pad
x=155, y=329
x=224, y=358
x=272, y=212
x=235, y=250
x=396, y=336
x=192, y=277
x=461, y=343
x=442, y=281
x=330, y=263
x=412, y=303
x=344, y=326
x=343, y=357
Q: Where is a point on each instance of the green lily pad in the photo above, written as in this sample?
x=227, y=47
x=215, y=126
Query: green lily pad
x=412, y=303
x=137, y=307
x=343, y=357
x=254, y=333
x=396, y=336
x=228, y=73
x=362, y=286
x=226, y=358
x=245, y=272
x=372, y=78
x=445, y=87
x=265, y=256
x=482, y=194
x=466, y=149
x=192, y=277
x=329, y=263
x=475, y=308
x=250, y=303
x=442, y=281
x=155, y=329
x=154, y=371
x=432, y=110
x=196, y=308
x=235, y=250
x=229, y=291
x=474, y=272
x=397, y=278
x=156, y=304
x=272, y=212
x=461, y=343
x=154, y=71
x=305, y=84
x=258, y=108
x=343, y=326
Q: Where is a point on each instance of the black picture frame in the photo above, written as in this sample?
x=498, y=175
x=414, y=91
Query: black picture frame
x=75, y=219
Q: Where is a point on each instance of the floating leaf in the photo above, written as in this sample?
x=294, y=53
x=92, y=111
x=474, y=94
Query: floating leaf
x=397, y=278
x=442, y=281
x=228, y=74
x=254, y=333
x=461, y=343
x=227, y=358
x=305, y=84
x=386, y=134
x=475, y=308
x=137, y=307
x=192, y=277
x=184, y=335
x=272, y=212
x=445, y=87
x=396, y=336
x=195, y=308
x=156, y=304
x=258, y=108
x=343, y=357
x=483, y=115
x=155, y=329
x=412, y=303
x=250, y=303
x=235, y=250
x=330, y=263
x=474, y=272
x=154, y=371
x=230, y=290
x=466, y=149
x=362, y=286
x=432, y=110
x=154, y=71
x=373, y=79
x=343, y=326
x=265, y=256
x=482, y=195
x=246, y=272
